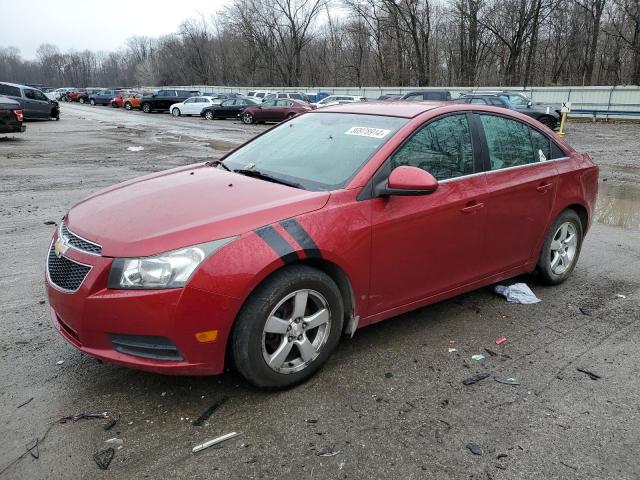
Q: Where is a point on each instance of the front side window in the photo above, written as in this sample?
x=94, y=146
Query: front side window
x=30, y=94
x=190, y=100
x=508, y=141
x=269, y=103
x=414, y=97
x=518, y=100
x=260, y=95
x=478, y=101
x=319, y=151
x=442, y=147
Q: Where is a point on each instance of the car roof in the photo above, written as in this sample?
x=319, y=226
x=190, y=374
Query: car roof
x=15, y=85
x=387, y=108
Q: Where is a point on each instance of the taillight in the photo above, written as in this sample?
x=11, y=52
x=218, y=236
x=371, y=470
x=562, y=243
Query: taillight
x=19, y=115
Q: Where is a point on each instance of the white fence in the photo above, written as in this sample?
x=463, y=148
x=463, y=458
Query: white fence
x=593, y=99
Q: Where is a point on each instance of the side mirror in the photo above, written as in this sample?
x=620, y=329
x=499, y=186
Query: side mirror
x=407, y=181
x=529, y=104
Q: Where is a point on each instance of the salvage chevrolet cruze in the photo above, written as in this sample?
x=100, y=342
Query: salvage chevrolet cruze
x=334, y=220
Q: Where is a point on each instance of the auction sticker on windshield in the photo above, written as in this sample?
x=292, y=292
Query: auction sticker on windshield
x=368, y=132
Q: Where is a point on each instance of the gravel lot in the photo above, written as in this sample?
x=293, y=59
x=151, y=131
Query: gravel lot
x=390, y=404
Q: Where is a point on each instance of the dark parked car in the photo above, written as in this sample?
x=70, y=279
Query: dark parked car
x=103, y=97
x=163, y=99
x=34, y=103
x=545, y=114
x=228, y=108
x=274, y=111
x=11, y=116
x=390, y=96
x=432, y=95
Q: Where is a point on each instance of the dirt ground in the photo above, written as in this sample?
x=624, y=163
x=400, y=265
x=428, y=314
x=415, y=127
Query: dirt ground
x=390, y=404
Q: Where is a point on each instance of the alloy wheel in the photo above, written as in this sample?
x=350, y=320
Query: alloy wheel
x=208, y=115
x=175, y=112
x=564, y=247
x=295, y=331
x=247, y=118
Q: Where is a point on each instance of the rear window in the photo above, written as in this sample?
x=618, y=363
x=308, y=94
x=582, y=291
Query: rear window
x=9, y=90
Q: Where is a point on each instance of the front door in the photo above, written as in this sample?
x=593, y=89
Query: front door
x=522, y=185
x=36, y=104
x=425, y=245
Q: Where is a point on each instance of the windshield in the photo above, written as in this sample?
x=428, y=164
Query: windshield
x=518, y=100
x=318, y=151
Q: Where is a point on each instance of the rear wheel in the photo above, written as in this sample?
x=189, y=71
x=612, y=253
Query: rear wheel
x=209, y=115
x=175, y=112
x=146, y=108
x=561, y=248
x=247, y=118
x=291, y=115
x=549, y=122
x=114, y=104
x=92, y=102
x=288, y=327
x=81, y=100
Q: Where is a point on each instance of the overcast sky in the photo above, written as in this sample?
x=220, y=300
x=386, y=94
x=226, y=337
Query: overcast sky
x=92, y=24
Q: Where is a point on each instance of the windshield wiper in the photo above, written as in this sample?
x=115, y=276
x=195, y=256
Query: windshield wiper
x=217, y=163
x=268, y=178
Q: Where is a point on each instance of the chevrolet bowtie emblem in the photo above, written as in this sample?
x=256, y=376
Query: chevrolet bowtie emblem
x=59, y=247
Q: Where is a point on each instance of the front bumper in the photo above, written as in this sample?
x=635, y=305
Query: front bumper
x=95, y=319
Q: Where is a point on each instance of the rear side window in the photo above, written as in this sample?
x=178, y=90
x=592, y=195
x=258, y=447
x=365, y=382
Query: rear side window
x=433, y=96
x=541, y=146
x=508, y=141
x=260, y=95
x=296, y=95
x=443, y=148
x=9, y=90
x=414, y=97
x=496, y=102
x=478, y=101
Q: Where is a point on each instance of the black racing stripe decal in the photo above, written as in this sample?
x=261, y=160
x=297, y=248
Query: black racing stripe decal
x=300, y=235
x=277, y=243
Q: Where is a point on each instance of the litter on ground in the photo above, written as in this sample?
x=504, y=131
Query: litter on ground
x=500, y=340
x=135, y=149
x=478, y=357
x=517, y=293
x=214, y=441
x=476, y=378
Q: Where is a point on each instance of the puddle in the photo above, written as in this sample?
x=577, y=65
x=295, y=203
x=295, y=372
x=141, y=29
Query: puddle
x=619, y=205
x=222, y=144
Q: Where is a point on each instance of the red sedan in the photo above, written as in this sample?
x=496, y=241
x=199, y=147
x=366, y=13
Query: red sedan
x=334, y=220
x=274, y=111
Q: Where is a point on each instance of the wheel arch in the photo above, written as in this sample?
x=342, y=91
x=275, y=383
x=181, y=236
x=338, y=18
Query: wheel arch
x=582, y=212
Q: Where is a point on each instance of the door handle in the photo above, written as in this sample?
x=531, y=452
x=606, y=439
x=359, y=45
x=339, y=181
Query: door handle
x=472, y=207
x=544, y=187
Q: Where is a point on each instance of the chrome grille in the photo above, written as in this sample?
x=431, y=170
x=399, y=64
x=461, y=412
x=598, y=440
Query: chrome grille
x=64, y=273
x=79, y=243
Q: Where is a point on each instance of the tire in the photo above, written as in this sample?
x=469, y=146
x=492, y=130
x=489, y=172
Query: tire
x=146, y=108
x=81, y=100
x=247, y=118
x=92, y=102
x=561, y=248
x=128, y=106
x=291, y=115
x=277, y=297
x=209, y=115
x=175, y=112
x=114, y=104
x=547, y=121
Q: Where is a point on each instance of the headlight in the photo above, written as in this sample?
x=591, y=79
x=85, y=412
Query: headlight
x=166, y=270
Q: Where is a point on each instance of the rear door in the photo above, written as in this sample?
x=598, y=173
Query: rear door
x=425, y=245
x=521, y=183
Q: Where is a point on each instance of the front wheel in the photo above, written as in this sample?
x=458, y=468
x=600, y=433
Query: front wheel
x=288, y=327
x=81, y=100
x=127, y=106
x=146, y=108
x=175, y=112
x=247, y=118
x=93, y=102
x=561, y=248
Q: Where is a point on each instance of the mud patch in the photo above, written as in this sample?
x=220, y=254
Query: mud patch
x=222, y=145
x=619, y=205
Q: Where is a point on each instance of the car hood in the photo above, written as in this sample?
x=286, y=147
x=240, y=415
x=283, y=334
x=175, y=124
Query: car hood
x=184, y=206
